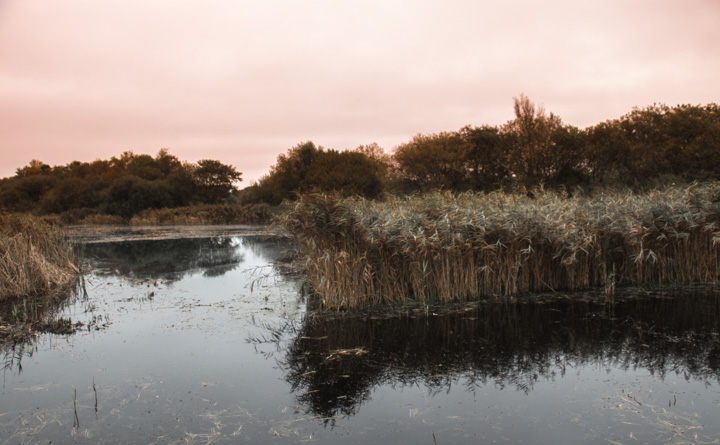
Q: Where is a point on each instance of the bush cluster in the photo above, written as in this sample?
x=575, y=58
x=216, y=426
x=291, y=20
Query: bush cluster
x=122, y=186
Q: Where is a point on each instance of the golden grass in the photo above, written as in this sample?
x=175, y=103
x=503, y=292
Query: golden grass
x=98, y=219
x=448, y=247
x=206, y=214
x=35, y=256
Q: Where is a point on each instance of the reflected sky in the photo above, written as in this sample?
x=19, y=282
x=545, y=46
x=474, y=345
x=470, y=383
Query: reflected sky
x=203, y=343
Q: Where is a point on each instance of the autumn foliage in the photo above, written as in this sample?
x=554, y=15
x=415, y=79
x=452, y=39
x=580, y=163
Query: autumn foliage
x=647, y=147
x=121, y=186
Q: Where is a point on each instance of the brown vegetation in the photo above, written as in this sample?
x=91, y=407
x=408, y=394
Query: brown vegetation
x=206, y=214
x=120, y=187
x=35, y=256
x=648, y=146
x=442, y=246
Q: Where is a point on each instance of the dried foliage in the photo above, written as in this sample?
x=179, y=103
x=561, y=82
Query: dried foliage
x=35, y=256
x=442, y=246
x=207, y=214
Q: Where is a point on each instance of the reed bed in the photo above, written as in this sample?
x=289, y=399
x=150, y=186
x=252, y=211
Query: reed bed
x=35, y=256
x=206, y=214
x=446, y=247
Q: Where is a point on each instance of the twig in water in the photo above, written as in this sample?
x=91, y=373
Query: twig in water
x=96, y=398
x=76, y=422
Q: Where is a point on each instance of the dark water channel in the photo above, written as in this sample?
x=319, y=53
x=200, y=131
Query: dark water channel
x=195, y=338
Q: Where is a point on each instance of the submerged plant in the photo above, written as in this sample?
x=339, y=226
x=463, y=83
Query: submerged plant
x=444, y=246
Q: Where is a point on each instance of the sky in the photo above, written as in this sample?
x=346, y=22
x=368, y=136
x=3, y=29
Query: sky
x=242, y=81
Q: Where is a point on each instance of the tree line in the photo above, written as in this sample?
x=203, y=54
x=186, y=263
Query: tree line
x=642, y=148
x=121, y=186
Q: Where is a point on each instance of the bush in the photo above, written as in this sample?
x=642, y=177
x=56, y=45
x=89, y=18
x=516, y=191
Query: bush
x=130, y=195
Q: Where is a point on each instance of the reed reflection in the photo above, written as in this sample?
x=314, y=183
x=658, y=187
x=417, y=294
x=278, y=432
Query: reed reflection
x=335, y=361
x=24, y=319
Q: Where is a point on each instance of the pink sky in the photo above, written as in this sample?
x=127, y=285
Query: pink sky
x=244, y=80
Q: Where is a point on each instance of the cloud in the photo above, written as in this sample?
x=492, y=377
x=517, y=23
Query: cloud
x=243, y=81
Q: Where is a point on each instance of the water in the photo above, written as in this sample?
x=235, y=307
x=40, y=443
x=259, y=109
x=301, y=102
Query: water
x=191, y=338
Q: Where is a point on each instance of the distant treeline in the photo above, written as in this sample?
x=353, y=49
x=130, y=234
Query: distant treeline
x=648, y=146
x=121, y=186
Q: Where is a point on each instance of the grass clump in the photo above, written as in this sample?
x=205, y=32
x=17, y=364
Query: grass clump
x=442, y=246
x=35, y=256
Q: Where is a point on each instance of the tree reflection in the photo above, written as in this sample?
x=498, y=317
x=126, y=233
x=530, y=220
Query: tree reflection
x=335, y=361
x=166, y=259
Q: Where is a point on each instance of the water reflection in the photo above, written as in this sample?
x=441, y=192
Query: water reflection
x=66, y=311
x=334, y=362
x=23, y=319
x=172, y=259
x=167, y=259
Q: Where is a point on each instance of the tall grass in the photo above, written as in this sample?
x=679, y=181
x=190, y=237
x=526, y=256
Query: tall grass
x=447, y=247
x=206, y=214
x=35, y=256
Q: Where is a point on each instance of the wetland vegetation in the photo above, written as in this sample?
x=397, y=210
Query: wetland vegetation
x=447, y=247
x=530, y=282
x=651, y=146
x=35, y=256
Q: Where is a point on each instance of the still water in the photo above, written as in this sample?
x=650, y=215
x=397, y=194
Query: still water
x=194, y=337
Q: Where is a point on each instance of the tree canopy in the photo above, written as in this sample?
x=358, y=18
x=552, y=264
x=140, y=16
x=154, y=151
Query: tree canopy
x=123, y=185
x=535, y=147
x=309, y=168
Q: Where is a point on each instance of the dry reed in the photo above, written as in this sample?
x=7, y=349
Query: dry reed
x=35, y=256
x=448, y=247
x=206, y=214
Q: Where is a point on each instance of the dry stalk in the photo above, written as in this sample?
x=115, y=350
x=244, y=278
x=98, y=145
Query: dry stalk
x=448, y=247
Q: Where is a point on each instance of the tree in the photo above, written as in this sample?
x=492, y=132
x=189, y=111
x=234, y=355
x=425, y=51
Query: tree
x=347, y=173
x=130, y=195
x=289, y=173
x=166, y=162
x=487, y=157
x=609, y=155
x=541, y=149
x=286, y=177
x=70, y=193
x=569, y=158
x=22, y=194
x=181, y=182
x=35, y=167
x=144, y=166
x=215, y=181
x=531, y=153
x=434, y=161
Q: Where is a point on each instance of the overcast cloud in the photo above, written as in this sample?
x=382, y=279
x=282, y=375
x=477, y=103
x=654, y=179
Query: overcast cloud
x=243, y=81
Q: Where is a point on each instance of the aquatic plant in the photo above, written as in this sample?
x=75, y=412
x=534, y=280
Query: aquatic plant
x=443, y=246
x=35, y=256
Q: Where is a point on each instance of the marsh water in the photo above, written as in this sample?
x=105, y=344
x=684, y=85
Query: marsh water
x=203, y=335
